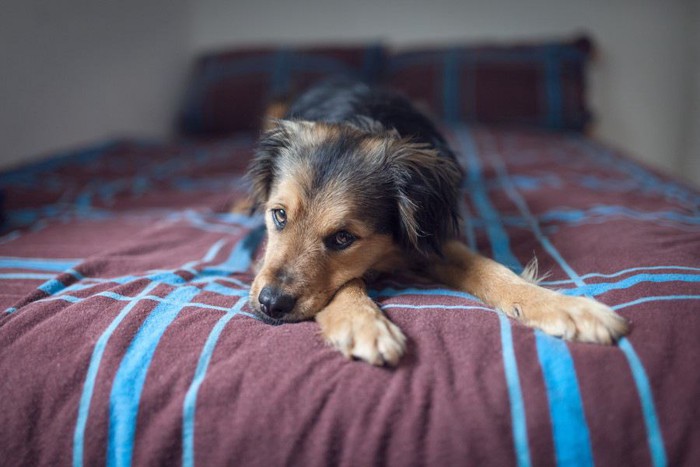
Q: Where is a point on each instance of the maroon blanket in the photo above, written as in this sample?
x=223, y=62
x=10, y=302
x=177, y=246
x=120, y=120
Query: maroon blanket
x=125, y=336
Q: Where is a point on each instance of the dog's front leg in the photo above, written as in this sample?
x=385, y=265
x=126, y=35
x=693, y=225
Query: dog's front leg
x=353, y=324
x=574, y=318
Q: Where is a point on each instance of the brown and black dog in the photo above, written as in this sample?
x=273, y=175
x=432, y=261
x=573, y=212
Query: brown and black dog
x=354, y=181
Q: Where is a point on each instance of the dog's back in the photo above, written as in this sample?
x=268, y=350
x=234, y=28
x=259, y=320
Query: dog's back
x=345, y=101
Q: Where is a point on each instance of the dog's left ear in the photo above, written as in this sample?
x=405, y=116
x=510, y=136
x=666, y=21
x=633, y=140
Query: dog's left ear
x=262, y=168
x=278, y=137
x=427, y=192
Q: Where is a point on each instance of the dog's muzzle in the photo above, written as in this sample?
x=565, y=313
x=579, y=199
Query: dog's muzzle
x=274, y=303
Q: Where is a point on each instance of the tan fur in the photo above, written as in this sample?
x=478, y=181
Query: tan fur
x=353, y=324
x=531, y=272
x=274, y=111
x=309, y=134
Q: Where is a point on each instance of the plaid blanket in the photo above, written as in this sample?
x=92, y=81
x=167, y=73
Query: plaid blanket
x=125, y=336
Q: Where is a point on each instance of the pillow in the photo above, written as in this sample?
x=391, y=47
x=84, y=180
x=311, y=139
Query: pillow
x=229, y=90
x=541, y=85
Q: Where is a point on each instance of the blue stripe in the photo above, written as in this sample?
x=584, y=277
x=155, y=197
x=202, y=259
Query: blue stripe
x=437, y=307
x=391, y=292
x=131, y=375
x=651, y=421
x=51, y=287
x=213, y=251
x=534, y=225
x=155, y=298
x=10, y=236
x=469, y=228
x=208, y=257
x=66, y=298
x=54, y=286
x=553, y=85
x=642, y=268
x=40, y=264
x=239, y=219
x=25, y=275
x=224, y=290
x=281, y=70
x=572, y=442
x=570, y=429
x=622, y=272
x=242, y=254
x=190, y=404
x=500, y=244
x=204, y=276
x=515, y=396
x=657, y=298
x=450, y=86
x=202, y=279
x=494, y=227
x=372, y=61
x=212, y=227
x=644, y=392
x=597, y=289
x=93, y=367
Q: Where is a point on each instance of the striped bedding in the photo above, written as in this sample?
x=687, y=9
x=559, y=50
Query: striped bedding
x=125, y=337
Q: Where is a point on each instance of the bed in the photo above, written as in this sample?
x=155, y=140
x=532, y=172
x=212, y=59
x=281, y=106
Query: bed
x=126, y=338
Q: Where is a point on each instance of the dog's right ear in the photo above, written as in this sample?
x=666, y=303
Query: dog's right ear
x=427, y=194
x=276, y=138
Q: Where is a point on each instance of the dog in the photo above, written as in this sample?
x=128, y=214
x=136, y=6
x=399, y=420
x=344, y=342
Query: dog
x=355, y=181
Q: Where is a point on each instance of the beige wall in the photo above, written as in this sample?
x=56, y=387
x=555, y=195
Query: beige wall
x=76, y=71
x=81, y=70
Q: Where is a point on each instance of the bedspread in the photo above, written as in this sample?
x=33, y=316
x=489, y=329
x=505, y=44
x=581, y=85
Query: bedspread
x=125, y=336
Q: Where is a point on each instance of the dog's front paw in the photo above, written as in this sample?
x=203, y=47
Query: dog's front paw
x=365, y=334
x=572, y=318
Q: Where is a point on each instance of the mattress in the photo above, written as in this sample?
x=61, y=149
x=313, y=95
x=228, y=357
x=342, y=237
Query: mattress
x=126, y=337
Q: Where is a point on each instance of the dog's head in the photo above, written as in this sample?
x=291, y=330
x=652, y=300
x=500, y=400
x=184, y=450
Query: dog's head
x=340, y=200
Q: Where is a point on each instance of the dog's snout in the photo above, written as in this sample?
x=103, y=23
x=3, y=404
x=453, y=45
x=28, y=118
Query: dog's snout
x=274, y=303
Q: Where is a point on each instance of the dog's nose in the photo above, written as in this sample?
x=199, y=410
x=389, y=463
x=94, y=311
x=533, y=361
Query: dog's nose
x=274, y=303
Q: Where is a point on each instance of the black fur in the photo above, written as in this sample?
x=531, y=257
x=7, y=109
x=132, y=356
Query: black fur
x=343, y=101
x=411, y=190
x=261, y=170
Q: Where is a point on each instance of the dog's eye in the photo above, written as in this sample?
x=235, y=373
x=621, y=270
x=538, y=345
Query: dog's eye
x=340, y=240
x=279, y=217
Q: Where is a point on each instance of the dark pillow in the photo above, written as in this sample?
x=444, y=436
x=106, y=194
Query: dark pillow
x=541, y=85
x=229, y=90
